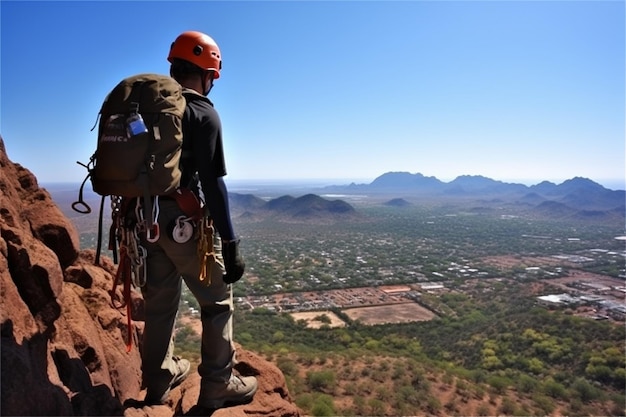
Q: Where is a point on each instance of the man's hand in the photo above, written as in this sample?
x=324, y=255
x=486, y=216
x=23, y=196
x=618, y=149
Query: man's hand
x=233, y=261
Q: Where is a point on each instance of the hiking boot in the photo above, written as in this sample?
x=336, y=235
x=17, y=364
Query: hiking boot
x=238, y=390
x=156, y=397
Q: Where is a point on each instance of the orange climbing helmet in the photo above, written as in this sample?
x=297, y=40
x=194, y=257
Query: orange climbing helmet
x=199, y=49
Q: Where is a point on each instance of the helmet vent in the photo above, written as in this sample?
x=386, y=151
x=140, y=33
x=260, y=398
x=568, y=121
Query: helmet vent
x=197, y=50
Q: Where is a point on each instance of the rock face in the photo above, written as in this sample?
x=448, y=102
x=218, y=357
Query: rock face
x=63, y=344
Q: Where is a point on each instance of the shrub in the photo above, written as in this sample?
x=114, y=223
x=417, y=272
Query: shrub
x=554, y=389
x=483, y=410
x=585, y=391
x=377, y=407
x=544, y=403
x=498, y=383
x=526, y=384
x=287, y=366
x=507, y=407
x=323, y=406
x=321, y=380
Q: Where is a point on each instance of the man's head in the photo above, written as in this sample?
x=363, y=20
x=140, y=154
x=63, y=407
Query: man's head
x=195, y=57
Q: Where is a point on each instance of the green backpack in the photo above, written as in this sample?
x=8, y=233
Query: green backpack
x=134, y=158
x=139, y=142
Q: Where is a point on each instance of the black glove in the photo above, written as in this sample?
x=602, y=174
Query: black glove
x=233, y=262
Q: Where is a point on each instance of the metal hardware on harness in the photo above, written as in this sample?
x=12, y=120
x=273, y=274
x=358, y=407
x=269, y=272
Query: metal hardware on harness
x=123, y=277
x=152, y=233
x=182, y=231
x=137, y=256
x=206, y=251
x=131, y=270
x=116, y=206
x=132, y=263
x=117, y=224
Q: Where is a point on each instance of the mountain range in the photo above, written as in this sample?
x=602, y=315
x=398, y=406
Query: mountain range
x=466, y=183
x=578, y=192
x=574, y=198
x=306, y=207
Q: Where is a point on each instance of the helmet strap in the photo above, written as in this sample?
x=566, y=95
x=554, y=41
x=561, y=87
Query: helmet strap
x=210, y=83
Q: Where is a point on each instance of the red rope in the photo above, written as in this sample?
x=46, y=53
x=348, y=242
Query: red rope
x=123, y=274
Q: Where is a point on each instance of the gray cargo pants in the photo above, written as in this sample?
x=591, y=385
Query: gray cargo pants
x=167, y=262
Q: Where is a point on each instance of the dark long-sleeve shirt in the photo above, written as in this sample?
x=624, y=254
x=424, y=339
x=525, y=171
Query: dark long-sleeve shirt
x=203, y=153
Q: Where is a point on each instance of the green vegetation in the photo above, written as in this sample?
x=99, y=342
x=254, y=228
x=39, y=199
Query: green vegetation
x=492, y=347
x=402, y=245
x=546, y=358
x=492, y=350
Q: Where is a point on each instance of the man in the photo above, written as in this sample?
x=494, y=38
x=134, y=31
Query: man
x=195, y=63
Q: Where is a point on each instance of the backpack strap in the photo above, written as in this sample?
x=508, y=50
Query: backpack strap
x=152, y=227
x=186, y=154
x=99, y=244
x=80, y=206
x=191, y=95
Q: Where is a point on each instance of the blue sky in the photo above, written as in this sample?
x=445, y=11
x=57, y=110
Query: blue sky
x=518, y=91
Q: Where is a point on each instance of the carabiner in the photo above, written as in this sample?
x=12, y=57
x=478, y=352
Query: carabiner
x=153, y=233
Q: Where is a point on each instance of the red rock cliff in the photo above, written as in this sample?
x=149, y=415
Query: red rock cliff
x=63, y=344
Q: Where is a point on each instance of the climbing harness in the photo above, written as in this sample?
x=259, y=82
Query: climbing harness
x=129, y=223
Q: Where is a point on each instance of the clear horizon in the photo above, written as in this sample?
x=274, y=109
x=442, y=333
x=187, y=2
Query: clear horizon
x=615, y=185
x=513, y=91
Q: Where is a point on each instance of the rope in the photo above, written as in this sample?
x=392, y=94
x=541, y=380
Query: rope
x=123, y=275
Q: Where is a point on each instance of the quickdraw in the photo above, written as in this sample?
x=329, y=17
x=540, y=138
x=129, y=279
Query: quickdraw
x=154, y=232
x=131, y=270
x=206, y=251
